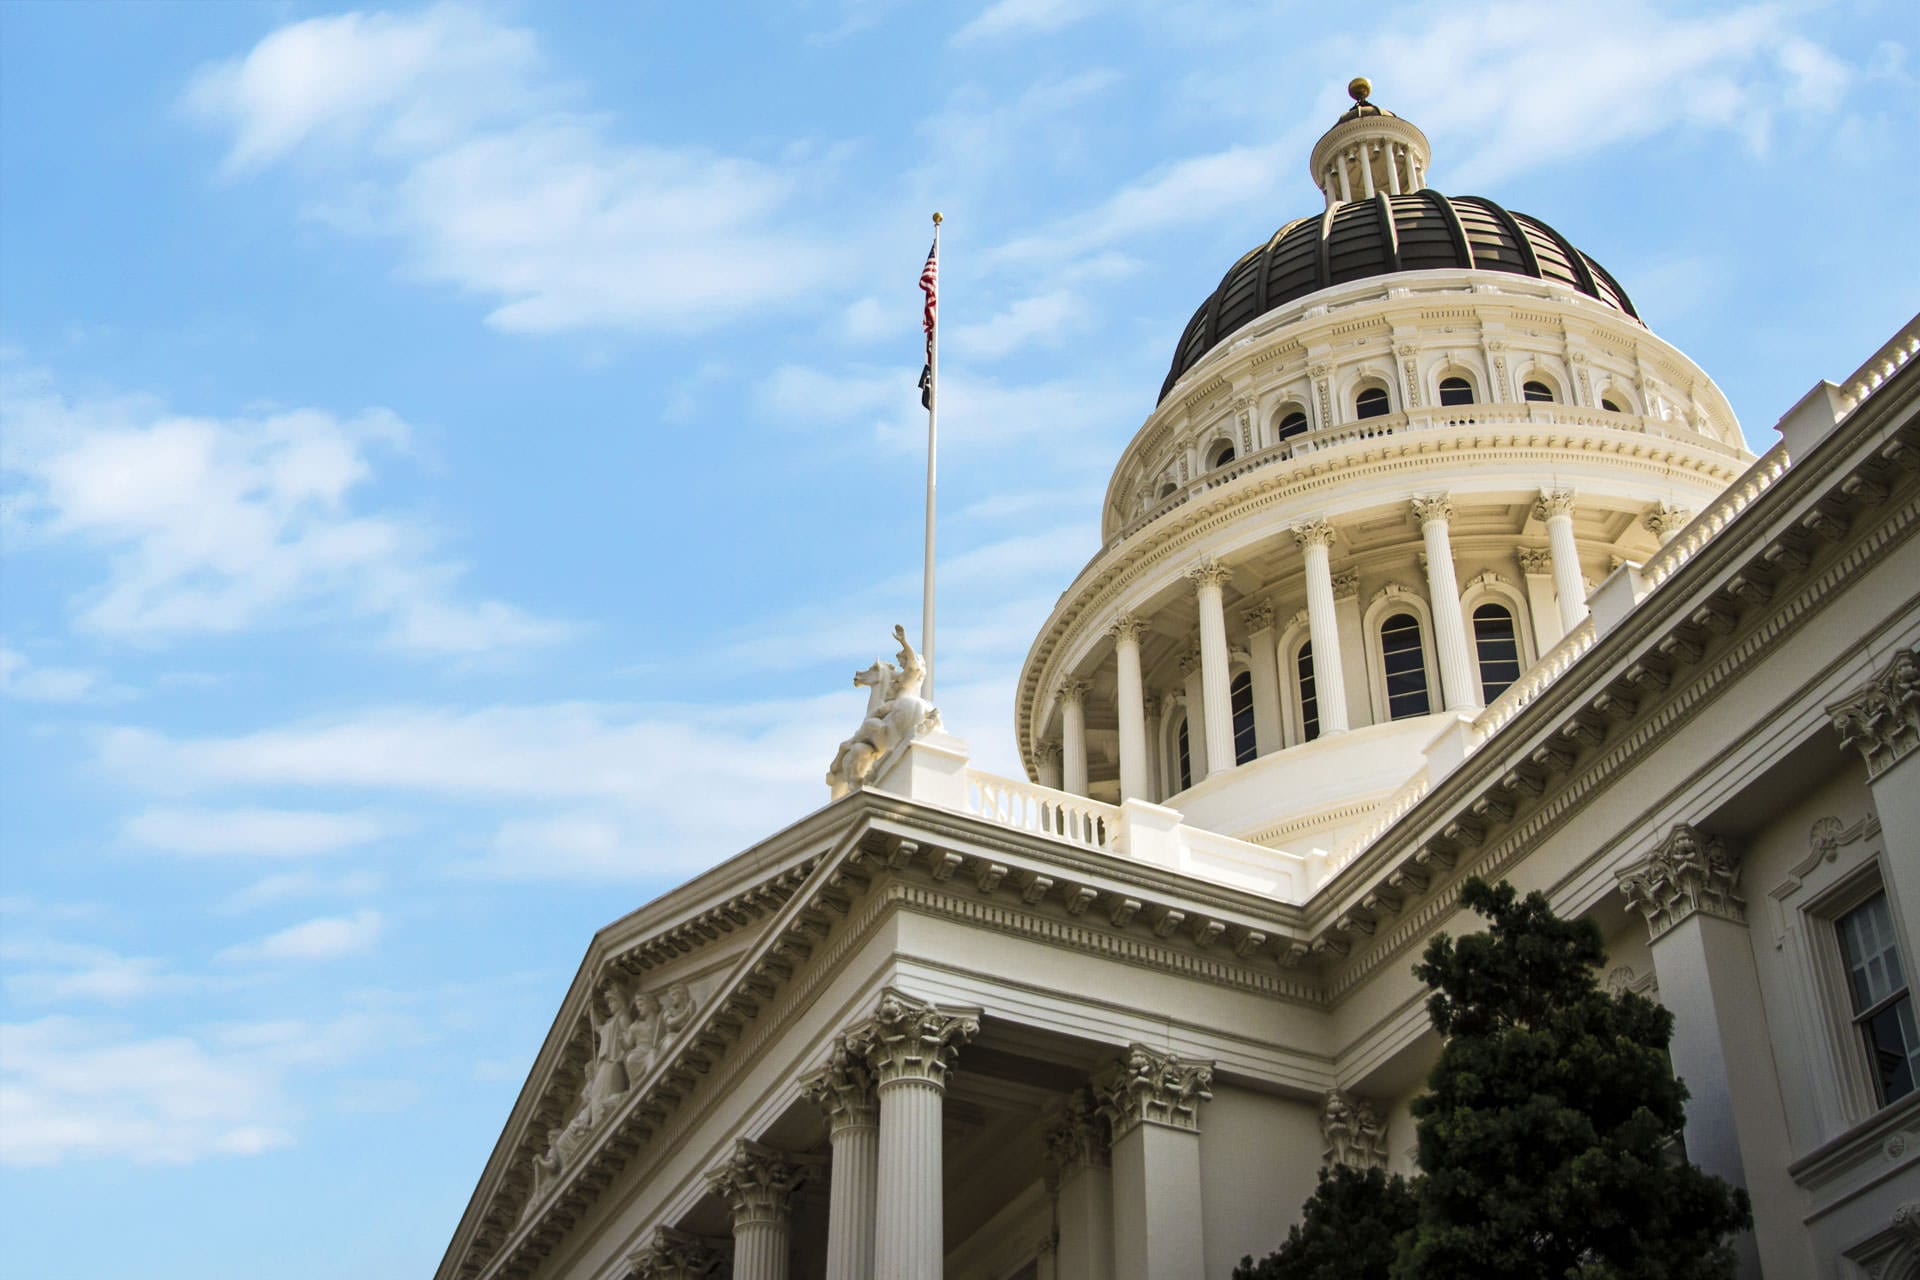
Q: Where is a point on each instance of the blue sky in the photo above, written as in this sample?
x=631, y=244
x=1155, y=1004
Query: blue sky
x=454, y=458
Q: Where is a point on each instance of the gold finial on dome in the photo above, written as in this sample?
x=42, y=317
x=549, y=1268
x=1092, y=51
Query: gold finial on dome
x=1359, y=88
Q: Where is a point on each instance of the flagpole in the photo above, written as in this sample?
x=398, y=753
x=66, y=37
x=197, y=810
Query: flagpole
x=933, y=437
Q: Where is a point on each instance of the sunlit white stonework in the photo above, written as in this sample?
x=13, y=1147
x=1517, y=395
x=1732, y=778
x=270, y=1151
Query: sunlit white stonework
x=1426, y=572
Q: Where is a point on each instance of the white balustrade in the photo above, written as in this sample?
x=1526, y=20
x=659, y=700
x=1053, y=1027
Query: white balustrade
x=1027, y=807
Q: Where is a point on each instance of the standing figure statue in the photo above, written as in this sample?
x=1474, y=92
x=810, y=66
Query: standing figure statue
x=609, y=1078
x=896, y=713
x=643, y=1035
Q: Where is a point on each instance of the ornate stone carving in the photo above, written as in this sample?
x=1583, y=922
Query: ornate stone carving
x=1258, y=618
x=1208, y=573
x=675, y=1255
x=908, y=1039
x=1190, y=661
x=1047, y=752
x=1072, y=691
x=843, y=1089
x=896, y=714
x=1346, y=584
x=1243, y=414
x=1690, y=871
x=1882, y=719
x=1078, y=1140
x=757, y=1182
x=1412, y=372
x=1148, y=1086
x=1534, y=561
x=1552, y=503
x=1127, y=628
x=1313, y=533
x=1355, y=1134
x=1432, y=507
x=1663, y=521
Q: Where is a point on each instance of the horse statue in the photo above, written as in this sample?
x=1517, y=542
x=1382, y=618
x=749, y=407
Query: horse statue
x=896, y=713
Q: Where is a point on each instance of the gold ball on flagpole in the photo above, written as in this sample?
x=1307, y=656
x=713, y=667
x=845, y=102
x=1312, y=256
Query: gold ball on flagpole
x=937, y=219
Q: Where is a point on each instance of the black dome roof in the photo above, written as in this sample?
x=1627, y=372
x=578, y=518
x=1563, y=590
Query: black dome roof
x=1351, y=241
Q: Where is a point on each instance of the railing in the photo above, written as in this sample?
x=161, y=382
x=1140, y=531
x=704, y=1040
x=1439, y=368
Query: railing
x=1396, y=807
x=1435, y=418
x=1027, y=807
x=1535, y=680
x=1899, y=350
x=1706, y=526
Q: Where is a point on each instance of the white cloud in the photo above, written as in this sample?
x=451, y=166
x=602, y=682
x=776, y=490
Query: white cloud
x=29, y=682
x=1023, y=17
x=214, y=525
x=267, y=833
x=287, y=885
x=46, y=971
x=1044, y=320
x=324, y=938
x=454, y=141
x=73, y=1088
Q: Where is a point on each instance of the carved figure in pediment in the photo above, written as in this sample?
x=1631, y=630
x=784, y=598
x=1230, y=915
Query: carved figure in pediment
x=643, y=1036
x=546, y=1169
x=574, y=1138
x=608, y=1078
x=896, y=713
x=676, y=1008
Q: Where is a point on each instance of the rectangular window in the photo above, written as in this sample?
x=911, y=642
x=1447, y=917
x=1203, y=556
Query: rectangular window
x=1882, y=1001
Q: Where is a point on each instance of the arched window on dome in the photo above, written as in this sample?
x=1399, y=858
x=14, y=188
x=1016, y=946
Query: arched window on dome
x=1496, y=643
x=1371, y=403
x=1166, y=490
x=1240, y=694
x=1183, y=753
x=1289, y=421
x=1538, y=391
x=1606, y=402
x=1456, y=390
x=1309, y=695
x=1220, y=455
x=1403, y=658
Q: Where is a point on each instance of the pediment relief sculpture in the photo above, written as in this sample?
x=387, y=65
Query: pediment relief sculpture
x=896, y=714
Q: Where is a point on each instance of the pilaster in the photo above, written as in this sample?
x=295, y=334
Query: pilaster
x=1152, y=1104
x=1079, y=1169
x=1881, y=720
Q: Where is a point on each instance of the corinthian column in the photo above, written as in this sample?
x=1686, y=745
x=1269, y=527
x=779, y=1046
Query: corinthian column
x=1329, y=677
x=1555, y=510
x=1132, y=708
x=844, y=1090
x=909, y=1047
x=758, y=1183
x=1152, y=1103
x=1073, y=736
x=1046, y=757
x=674, y=1255
x=1443, y=591
x=1209, y=578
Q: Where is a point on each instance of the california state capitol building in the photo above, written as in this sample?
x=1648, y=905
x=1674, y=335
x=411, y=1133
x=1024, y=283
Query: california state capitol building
x=1432, y=560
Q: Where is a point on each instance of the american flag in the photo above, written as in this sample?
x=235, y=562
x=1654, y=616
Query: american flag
x=929, y=285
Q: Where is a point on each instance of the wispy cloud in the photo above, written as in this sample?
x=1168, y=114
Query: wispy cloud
x=44, y=971
x=31, y=682
x=456, y=141
x=323, y=938
x=287, y=886
x=263, y=833
x=1005, y=18
x=220, y=524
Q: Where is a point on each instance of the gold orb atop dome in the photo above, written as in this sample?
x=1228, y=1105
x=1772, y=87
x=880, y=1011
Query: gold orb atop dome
x=1359, y=88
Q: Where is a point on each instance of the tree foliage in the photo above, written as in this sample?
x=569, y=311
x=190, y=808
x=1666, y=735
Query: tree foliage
x=1546, y=1132
x=1347, y=1230
x=1547, y=1135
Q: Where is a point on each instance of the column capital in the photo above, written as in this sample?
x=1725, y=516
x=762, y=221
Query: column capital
x=1048, y=752
x=1663, y=520
x=1258, y=618
x=1209, y=573
x=1147, y=1086
x=1313, y=533
x=1553, y=503
x=1071, y=690
x=1346, y=584
x=843, y=1089
x=1355, y=1134
x=1078, y=1140
x=675, y=1255
x=1690, y=872
x=1432, y=507
x=1127, y=629
x=1537, y=561
x=1881, y=719
x=757, y=1182
x=1190, y=661
x=908, y=1039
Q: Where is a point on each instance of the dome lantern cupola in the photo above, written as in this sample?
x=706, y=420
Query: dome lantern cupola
x=1369, y=151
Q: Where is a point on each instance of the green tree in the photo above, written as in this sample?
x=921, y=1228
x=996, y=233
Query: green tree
x=1347, y=1230
x=1546, y=1132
